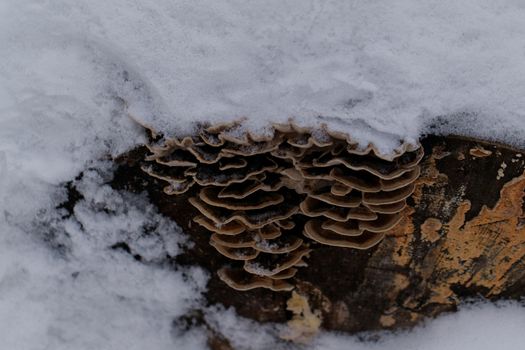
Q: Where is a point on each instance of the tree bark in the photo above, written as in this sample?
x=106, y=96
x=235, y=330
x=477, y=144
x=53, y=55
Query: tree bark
x=462, y=236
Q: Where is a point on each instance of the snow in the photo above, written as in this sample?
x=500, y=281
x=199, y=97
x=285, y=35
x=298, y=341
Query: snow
x=72, y=74
x=480, y=327
x=476, y=326
x=379, y=70
x=63, y=287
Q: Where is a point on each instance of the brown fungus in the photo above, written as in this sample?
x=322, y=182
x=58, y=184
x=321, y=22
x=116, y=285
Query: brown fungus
x=210, y=195
x=236, y=253
x=253, y=219
x=246, y=239
x=239, y=279
x=266, y=264
x=313, y=208
x=313, y=230
x=231, y=228
x=251, y=190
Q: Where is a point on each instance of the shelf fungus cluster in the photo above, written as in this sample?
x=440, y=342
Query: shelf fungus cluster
x=264, y=199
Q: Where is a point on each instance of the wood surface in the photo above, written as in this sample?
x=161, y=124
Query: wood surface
x=461, y=237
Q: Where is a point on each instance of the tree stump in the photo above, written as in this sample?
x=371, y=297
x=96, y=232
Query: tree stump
x=462, y=236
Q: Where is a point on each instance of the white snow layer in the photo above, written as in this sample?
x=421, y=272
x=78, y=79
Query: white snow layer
x=380, y=70
x=71, y=71
x=481, y=326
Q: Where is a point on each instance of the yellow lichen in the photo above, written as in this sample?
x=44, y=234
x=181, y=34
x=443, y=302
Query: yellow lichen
x=430, y=230
x=387, y=320
x=305, y=323
x=495, y=235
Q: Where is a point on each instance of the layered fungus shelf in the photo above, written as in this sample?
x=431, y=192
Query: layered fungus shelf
x=266, y=198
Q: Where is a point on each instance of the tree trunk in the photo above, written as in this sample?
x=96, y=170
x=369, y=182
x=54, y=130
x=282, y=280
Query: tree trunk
x=462, y=236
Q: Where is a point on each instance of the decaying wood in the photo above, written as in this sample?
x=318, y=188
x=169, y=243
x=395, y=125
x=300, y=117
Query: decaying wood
x=461, y=236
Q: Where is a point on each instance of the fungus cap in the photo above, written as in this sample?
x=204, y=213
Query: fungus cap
x=250, y=189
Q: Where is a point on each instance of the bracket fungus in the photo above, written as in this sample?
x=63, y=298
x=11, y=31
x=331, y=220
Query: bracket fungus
x=265, y=199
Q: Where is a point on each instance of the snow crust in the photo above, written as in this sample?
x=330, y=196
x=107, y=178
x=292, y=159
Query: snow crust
x=381, y=71
x=64, y=284
x=476, y=326
x=71, y=73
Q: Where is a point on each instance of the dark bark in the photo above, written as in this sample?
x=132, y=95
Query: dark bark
x=461, y=237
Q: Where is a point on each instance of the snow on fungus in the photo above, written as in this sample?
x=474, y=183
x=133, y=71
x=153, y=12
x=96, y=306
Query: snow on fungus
x=265, y=198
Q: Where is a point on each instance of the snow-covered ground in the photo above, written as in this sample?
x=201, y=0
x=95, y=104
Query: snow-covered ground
x=71, y=71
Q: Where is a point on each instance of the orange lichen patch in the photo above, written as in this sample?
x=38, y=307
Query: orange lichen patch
x=305, y=323
x=430, y=230
x=405, y=227
x=478, y=253
x=249, y=188
x=495, y=235
x=387, y=321
x=399, y=283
